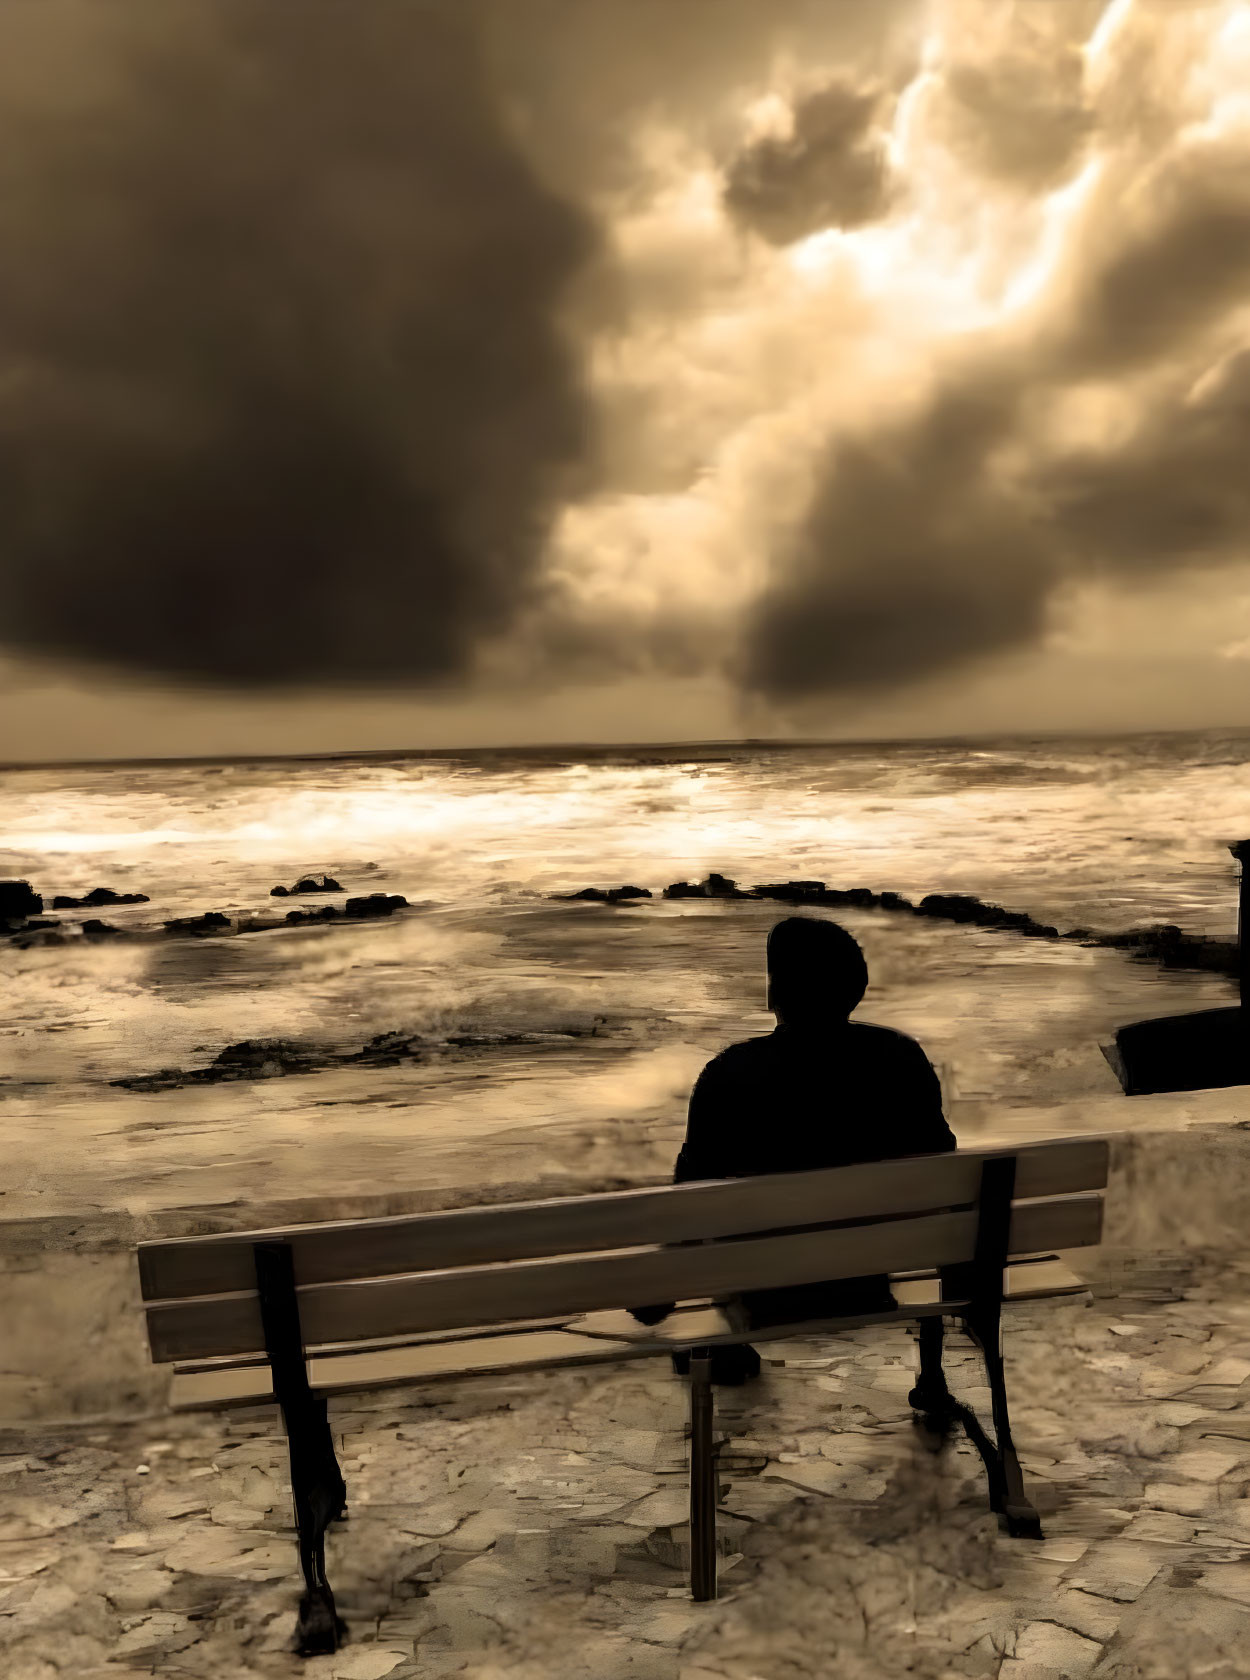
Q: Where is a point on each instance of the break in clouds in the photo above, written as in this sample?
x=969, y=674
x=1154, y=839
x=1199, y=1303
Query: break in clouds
x=512, y=341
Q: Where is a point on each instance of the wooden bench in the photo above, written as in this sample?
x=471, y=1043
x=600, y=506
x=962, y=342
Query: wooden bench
x=304, y=1313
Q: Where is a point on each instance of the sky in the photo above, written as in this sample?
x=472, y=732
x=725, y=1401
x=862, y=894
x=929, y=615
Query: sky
x=469, y=372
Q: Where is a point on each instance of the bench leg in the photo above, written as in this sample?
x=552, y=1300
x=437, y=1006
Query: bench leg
x=1007, y=1495
x=702, y=1480
x=320, y=1495
x=317, y=1484
x=932, y=1400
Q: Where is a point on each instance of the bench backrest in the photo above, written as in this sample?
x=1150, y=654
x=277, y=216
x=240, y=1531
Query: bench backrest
x=367, y=1279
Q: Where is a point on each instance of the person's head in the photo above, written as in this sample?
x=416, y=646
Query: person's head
x=816, y=972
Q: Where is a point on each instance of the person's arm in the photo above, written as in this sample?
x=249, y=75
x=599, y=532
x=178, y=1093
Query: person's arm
x=933, y=1135
x=702, y=1153
x=696, y=1158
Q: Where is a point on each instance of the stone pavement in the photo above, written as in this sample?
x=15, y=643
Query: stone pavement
x=534, y=1527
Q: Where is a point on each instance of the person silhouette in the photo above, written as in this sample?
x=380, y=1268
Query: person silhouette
x=819, y=1091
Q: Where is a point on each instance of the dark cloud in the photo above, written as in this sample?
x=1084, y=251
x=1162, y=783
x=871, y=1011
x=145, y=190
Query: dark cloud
x=914, y=557
x=830, y=172
x=283, y=392
x=922, y=550
x=1173, y=253
x=1175, y=493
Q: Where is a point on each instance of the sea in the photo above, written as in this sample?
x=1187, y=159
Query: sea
x=517, y=1011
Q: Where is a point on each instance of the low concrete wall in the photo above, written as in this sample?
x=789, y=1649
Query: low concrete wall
x=73, y=1338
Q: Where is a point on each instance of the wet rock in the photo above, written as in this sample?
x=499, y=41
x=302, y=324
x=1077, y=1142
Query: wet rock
x=308, y=884
x=389, y=1049
x=960, y=907
x=327, y=913
x=253, y=1058
x=18, y=901
x=375, y=904
x=816, y=892
x=604, y=895
x=97, y=930
x=263, y=1058
x=716, y=886
x=212, y=921
x=720, y=886
x=97, y=897
x=792, y=892
x=860, y=897
x=895, y=901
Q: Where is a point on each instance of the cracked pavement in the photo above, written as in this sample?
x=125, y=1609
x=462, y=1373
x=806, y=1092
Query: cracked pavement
x=535, y=1526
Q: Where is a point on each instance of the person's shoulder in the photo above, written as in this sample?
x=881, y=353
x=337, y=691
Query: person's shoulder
x=736, y=1057
x=886, y=1040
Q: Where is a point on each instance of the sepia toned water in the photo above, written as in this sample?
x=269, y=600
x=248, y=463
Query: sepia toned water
x=1102, y=833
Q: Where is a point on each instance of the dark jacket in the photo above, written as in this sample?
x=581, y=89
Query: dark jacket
x=797, y=1101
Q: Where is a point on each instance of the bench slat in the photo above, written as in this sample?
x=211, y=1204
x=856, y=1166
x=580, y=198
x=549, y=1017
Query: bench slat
x=580, y=1343
x=479, y=1295
x=332, y=1252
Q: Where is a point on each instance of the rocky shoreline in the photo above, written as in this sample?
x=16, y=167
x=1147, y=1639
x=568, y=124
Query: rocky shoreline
x=23, y=923
x=1163, y=943
x=268, y=1058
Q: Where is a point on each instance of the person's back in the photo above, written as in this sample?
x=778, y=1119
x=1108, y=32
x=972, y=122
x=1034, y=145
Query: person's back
x=820, y=1091
x=812, y=1096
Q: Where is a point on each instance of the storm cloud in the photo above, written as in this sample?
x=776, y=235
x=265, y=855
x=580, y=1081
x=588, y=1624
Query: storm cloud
x=943, y=536
x=830, y=171
x=285, y=396
x=526, y=342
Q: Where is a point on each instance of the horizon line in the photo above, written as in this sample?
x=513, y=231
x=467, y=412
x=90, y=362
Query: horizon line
x=583, y=748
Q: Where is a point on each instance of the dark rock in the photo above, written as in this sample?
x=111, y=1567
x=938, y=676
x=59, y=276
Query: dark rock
x=326, y=913
x=388, y=1049
x=308, y=884
x=95, y=930
x=212, y=921
x=260, y=1058
x=263, y=1055
x=602, y=895
x=96, y=897
x=895, y=901
x=376, y=904
x=960, y=907
x=792, y=892
x=716, y=886
x=719, y=886
x=17, y=901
